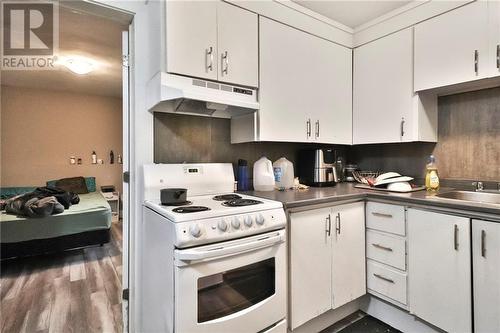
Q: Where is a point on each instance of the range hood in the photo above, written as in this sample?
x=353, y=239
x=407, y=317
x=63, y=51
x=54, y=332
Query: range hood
x=181, y=94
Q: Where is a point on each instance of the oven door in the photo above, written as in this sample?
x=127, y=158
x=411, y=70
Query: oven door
x=234, y=286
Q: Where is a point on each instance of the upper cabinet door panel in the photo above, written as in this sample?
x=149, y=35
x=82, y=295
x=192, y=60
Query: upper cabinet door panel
x=447, y=46
x=192, y=38
x=238, y=45
x=383, y=88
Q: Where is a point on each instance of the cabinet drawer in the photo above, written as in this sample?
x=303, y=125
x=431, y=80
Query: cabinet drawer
x=385, y=217
x=386, y=281
x=387, y=249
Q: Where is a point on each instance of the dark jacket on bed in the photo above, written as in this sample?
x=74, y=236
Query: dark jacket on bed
x=43, y=201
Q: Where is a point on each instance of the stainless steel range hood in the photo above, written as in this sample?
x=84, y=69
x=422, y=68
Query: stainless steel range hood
x=181, y=94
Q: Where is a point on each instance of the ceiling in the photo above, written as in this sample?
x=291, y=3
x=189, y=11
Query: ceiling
x=352, y=13
x=81, y=34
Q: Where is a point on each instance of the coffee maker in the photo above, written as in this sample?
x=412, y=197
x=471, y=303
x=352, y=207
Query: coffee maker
x=316, y=167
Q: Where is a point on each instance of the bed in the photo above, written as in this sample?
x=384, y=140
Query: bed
x=84, y=224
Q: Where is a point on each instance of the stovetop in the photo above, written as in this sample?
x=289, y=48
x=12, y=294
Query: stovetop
x=209, y=206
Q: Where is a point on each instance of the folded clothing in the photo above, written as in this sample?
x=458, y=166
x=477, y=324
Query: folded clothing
x=42, y=202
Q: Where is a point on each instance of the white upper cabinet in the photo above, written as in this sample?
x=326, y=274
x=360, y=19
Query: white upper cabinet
x=305, y=91
x=454, y=47
x=212, y=40
x=385, y=108
x=237, y=32
x=192, y=38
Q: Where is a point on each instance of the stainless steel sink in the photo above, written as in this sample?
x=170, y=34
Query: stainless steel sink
x=484, y=197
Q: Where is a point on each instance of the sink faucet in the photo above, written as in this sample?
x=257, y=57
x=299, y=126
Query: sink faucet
x=478, y=186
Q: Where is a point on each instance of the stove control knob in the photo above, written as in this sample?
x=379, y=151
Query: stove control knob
x=248, y=221
x=236, y=223
x=260, y=219
x=222, y=225
x=195, y=230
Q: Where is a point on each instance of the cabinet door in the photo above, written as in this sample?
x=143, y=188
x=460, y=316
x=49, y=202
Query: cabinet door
x=310, y=265
x=300, y=79
x=383, y=89
x=445, y=47
x=440, y=269
x=348, y=253
x=237, y=45
x=486, y=268
x=192, y=38
x=494, y=10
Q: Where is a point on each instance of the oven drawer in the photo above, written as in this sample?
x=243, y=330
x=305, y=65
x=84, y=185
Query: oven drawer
x=385, y=217
x=386, y=281
x=386, y=248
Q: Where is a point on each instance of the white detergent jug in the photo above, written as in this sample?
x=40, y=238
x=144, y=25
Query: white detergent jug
x=263, y=176
x=283, y=173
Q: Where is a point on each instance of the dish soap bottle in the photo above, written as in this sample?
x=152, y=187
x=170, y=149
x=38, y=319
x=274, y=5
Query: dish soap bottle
x=431, y=175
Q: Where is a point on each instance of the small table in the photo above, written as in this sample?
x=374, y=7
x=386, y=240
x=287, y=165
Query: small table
x=113, y=198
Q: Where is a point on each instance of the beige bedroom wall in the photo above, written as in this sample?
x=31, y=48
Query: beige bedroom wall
x=41, y=129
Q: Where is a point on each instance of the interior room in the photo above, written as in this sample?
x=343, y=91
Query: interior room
x=290, y=166
x=61, y=183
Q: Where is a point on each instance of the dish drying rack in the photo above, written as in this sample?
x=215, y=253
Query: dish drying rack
x=361, y=176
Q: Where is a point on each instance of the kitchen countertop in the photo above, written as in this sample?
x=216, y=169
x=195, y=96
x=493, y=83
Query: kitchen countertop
x=293, y=199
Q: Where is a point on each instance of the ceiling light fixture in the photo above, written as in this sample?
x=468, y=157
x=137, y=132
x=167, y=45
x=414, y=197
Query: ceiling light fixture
x=79, y=66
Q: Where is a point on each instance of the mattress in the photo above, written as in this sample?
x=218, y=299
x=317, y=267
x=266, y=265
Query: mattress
x=92, y=213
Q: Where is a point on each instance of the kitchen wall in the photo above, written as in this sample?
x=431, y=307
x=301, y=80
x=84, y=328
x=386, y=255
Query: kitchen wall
x=468, y=142
x=41, y=129
x=183, y=138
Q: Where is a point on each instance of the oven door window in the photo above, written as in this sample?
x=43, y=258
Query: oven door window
x=222, y=294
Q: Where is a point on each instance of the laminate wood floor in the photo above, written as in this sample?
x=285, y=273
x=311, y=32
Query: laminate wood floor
x=74, y=291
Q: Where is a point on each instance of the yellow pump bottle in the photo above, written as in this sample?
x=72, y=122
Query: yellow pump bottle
x=431, y=175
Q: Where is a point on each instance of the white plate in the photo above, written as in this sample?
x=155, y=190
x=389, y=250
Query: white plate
x=387, y=175
x=393, y=180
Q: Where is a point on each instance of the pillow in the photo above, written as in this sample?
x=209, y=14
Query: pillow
x=76, y=185
x=90, y=181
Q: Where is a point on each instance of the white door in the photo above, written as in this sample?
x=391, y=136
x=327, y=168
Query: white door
x=383, y=89
x=302, y=77
x=486, y=269
x=494, y=10
x=310, y=265
x=348, y=253
x=453, y=47
x=237, y=31
x=440, y=269
x=192, y=38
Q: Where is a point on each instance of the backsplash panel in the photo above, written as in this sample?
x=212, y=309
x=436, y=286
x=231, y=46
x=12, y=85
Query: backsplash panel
x=468, y=142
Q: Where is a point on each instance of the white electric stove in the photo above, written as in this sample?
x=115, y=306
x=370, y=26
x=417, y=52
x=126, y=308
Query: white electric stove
x=216, y=263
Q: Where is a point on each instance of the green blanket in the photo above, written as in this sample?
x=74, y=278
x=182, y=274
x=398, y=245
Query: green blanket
x=92, y=213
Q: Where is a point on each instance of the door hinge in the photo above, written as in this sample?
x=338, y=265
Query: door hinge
x=126, y=177
x=126, y=60
x=125, y=294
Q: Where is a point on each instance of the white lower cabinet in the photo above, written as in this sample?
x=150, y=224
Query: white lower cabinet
x=327, y=260
x=486, y=269
x=440, y=269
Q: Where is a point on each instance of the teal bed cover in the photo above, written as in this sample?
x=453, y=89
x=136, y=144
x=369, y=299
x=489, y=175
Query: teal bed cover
x=92, y=213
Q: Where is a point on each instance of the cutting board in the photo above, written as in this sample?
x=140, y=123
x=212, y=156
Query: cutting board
x=368, y=187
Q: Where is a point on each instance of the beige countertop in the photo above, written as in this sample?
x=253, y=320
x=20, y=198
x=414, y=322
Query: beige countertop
x=293, y=199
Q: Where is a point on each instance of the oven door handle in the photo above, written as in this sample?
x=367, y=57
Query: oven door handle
x=189, y=255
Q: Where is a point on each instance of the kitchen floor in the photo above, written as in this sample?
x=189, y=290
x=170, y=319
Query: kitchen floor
x=73, y=291
x=360, y=322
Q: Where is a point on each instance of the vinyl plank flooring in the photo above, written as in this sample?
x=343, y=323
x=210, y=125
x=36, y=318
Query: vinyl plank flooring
x=73, y=291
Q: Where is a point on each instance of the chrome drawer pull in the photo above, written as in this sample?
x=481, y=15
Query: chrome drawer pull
x=378, y=246
x=483, y=243
x=383, y=278
x=382, y=215
x=455, y=237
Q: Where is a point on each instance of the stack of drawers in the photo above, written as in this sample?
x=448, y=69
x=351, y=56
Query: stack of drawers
x=386, y=264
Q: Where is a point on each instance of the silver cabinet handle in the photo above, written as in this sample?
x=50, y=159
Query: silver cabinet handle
x=498, y=56
x=383, y=278
x=385, y=248
x=225, y=63
x=308, y=128
x=483, y=243
x=209, y=58
x=317, y=129
x=329, y=225
x=402, y=127
x=337, y=223
x=476, y=62
x=455, y=237
x=389, y=216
